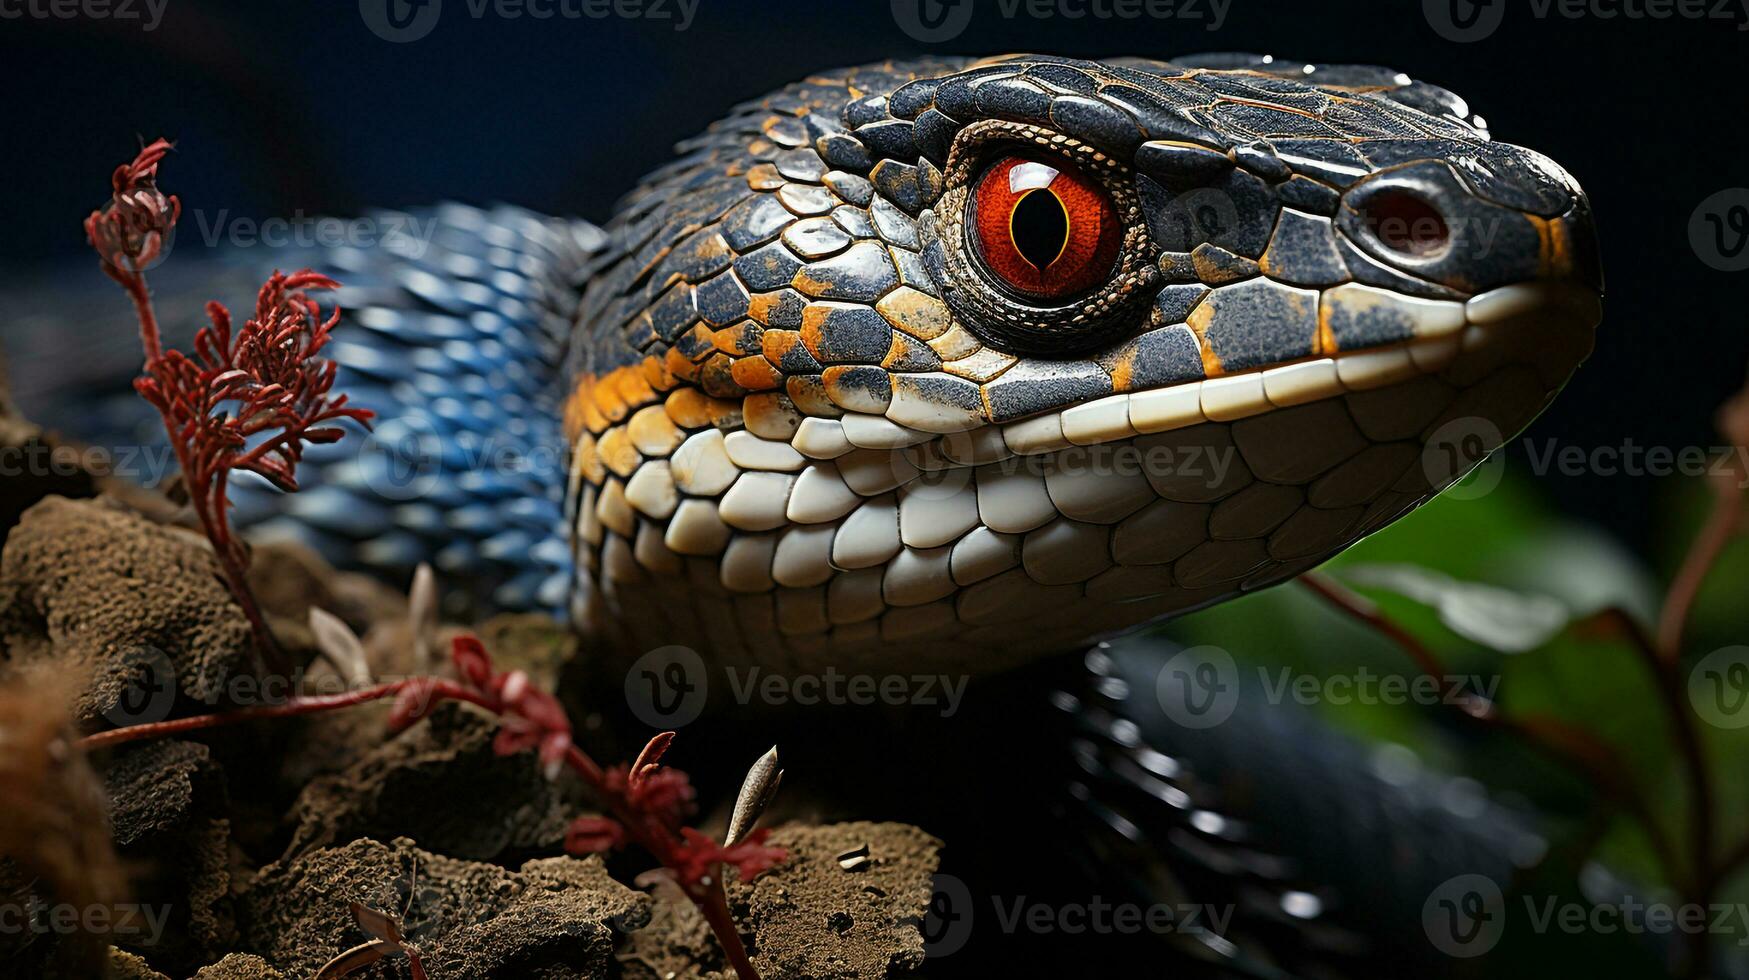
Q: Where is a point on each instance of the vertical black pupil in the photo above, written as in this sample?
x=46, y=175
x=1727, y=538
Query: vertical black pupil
x=1040, y=227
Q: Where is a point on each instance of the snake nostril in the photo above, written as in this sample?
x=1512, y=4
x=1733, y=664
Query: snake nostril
x=1407, y=223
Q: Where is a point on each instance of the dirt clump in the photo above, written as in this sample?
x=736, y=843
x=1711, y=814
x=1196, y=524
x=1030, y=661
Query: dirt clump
x=440, y=783
x=847, y=904
x=554, y=917
x=134, y=609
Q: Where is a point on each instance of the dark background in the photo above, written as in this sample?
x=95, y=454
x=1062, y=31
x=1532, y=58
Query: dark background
x=282, y=108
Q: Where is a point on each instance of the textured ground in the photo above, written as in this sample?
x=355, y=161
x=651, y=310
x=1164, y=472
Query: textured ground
x=255, y=839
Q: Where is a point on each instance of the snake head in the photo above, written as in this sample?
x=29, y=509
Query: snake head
x=990, y=358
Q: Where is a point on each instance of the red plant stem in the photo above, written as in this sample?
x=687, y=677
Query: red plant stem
x=643, y=826
x=286, y=709
x=660, y=842
x=135, y=284
x=1673, y=695
x=235, y=569
x=1722, y=524
x=715, y=906
x=215, y=525
x=1591, y=758
x=1358, y=607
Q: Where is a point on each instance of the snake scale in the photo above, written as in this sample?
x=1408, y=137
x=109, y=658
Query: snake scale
x=958, y=363
x=814, y=421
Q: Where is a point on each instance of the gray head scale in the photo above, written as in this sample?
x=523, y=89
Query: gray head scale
x=978, y=360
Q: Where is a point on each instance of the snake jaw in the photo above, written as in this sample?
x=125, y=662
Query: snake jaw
x=801, y=421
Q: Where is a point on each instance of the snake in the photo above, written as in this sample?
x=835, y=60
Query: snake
x=970, y=362
x=961, y=363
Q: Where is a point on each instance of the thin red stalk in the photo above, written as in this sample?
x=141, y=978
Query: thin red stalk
x=1593, y=759
x=1358, y=607
x=1673, y=697
x=235, y=568
x=285, y=709
x=269, y=367
x=135, y=284
x=715, y=906
x=1723, y=522
x=663, y=845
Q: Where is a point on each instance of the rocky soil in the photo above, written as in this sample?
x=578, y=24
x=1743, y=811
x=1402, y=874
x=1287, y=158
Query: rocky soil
x=240, y=850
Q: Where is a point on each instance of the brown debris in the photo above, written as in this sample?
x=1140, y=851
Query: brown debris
x=54, y=841
x=440, y=783
x=134, y=609
x=169, y=810
x=555, y=917
x=809, y=918
x=239, y=966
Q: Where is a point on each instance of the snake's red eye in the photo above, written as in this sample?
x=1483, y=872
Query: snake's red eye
x=1045, y=229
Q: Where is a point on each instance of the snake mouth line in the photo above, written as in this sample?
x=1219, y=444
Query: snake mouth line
x=1496, y=316
x=1490, y=320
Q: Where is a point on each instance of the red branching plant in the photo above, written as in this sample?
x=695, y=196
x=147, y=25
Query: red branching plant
x=249, y=399
x=645, y=803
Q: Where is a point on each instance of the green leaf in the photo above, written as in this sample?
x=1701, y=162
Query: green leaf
x=1500, y=619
